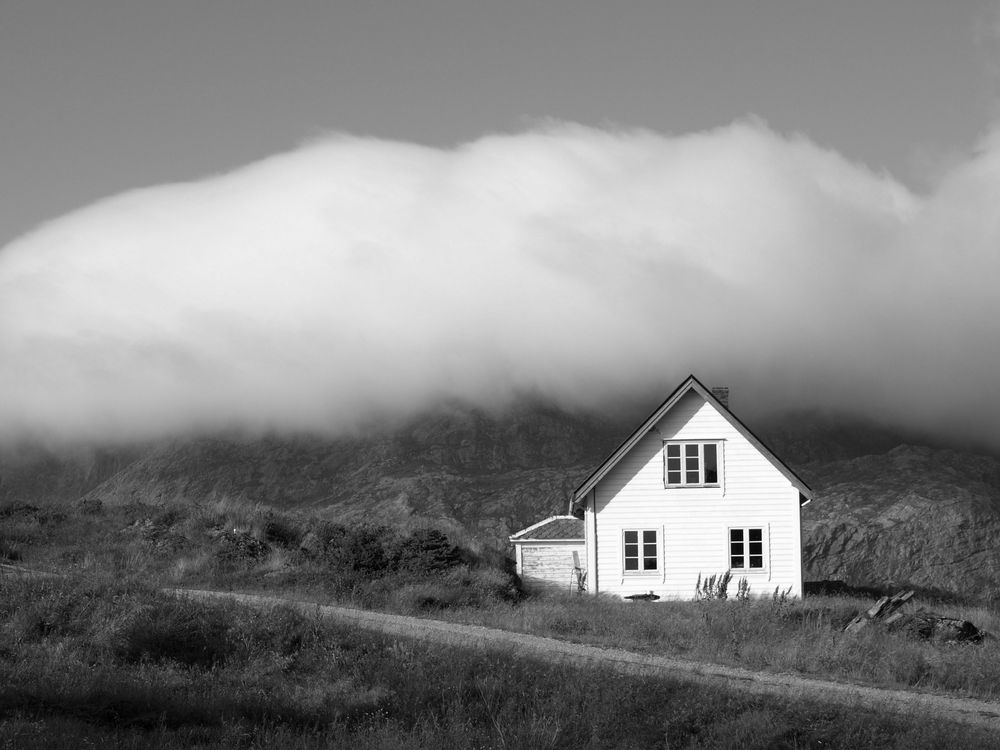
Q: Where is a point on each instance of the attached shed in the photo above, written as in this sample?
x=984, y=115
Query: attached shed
x=552, y=554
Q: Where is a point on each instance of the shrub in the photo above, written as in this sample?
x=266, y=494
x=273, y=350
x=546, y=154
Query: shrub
x=240, y=547
x=366, y=548
x=428, y=551
x=184, y=632
x=282, y=531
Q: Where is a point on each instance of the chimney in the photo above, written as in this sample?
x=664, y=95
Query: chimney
x=721, y=393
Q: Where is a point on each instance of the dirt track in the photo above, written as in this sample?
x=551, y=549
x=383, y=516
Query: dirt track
x=965, y=710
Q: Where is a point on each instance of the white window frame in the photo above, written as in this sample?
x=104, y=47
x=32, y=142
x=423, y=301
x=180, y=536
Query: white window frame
x=658, y=556
x=683, y=470
x=746, y=553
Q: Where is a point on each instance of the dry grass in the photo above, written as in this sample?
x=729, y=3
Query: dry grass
x=176, y=544
x=100, y=663
x=803, y=636
x=226, y=543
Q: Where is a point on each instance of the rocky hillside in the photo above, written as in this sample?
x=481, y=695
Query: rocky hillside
x=893, y=509
x=460, y=467
x=914, y=516
x=888, y=510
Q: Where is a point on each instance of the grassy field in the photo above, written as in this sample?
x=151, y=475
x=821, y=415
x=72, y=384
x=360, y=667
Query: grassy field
x=227, y=544
x=802, y=636
x=111, y=664
x=102, y=658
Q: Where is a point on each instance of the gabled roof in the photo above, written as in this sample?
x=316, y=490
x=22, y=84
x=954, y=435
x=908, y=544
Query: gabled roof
x=690, y=384
x=553, y=527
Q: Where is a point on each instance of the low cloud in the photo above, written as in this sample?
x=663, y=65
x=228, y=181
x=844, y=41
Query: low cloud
x=355, y=279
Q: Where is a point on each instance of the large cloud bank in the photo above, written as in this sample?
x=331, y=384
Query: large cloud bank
x=355, y=279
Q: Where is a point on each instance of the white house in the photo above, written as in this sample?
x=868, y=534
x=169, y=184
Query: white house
x=691, y=492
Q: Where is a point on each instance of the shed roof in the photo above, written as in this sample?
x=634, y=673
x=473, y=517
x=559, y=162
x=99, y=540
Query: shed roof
x=690, y=384
x=553, y=527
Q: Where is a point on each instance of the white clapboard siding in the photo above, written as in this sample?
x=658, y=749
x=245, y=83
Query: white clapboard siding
x=693, y=523
x=549, y=564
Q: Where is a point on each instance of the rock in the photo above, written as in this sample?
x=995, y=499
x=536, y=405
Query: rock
x=920, y=624
x=933, y=627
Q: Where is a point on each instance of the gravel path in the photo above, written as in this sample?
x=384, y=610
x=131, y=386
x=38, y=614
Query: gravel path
x=965, y=710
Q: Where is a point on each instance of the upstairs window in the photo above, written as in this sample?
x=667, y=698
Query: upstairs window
x=746, y=549
x=641, y=551
x=691, y=464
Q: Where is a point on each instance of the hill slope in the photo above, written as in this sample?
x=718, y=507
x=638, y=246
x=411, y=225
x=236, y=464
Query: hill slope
x=887, y=512
x=459, y=467
x=911, y=516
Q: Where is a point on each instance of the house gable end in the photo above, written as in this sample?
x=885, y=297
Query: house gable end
x=651, y=422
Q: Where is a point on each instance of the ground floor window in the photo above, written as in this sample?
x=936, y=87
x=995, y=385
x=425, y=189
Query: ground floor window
x=746, y=548
x=641, y=548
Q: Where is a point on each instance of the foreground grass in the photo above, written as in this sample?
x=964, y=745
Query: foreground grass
x=226, y=544
x=106, y=664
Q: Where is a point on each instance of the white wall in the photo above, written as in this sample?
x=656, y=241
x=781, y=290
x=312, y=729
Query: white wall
x=693, y=523
x=549, y=564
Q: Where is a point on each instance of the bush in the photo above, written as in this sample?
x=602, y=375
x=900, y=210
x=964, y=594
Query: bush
x=367, y=549
x=184, y=632
x=281, y=531
x=379, y=550
x=361, y=548
x=240, y=547
x=428, y=551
